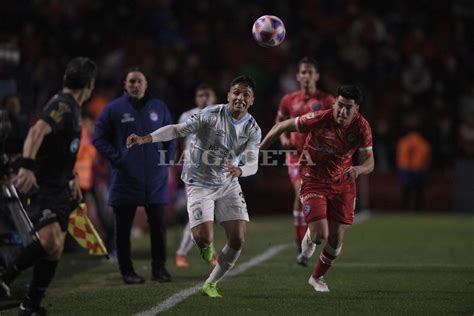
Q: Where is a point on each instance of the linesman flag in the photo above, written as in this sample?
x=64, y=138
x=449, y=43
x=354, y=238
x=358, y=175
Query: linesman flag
x=81, y=228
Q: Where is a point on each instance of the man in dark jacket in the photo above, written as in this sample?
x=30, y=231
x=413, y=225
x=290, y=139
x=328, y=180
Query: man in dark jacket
x=139, y=175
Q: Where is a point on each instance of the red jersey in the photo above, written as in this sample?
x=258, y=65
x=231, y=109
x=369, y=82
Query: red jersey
x=295, y=104
x=330, y=146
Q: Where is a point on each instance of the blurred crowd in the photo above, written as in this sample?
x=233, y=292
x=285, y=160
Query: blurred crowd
x=413, y=59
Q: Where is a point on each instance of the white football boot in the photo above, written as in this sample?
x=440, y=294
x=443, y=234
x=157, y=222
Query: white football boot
x=318, y=284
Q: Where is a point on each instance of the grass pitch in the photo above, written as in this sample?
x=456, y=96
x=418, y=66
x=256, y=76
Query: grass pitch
x=391, y=264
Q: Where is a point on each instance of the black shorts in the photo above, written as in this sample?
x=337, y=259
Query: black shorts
x=50, y=205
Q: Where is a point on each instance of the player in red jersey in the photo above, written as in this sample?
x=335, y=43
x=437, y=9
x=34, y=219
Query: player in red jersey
x=328, y=189
x=307, y=99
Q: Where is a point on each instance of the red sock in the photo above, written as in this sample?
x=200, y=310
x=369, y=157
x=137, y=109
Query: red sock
x=324, y=263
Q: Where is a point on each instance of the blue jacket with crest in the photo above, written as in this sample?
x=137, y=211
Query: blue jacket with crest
x=139, y=174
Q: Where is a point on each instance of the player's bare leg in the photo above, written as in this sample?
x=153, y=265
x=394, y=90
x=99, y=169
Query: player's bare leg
x=203, y=235
x=298, y=216
x=330, y=252
x=44, y=256
x=235, y=231
x=185, y=246
x=316, y=234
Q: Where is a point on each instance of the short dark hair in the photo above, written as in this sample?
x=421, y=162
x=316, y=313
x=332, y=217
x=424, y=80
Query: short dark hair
x=79, y=72
x=245, y=80
x=134, y=69
x=308, y=60
x=204, y=86
x=352, y=92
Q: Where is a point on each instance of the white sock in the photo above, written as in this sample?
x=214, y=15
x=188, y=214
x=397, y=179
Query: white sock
x=225, y=262
x=307, y=245
x=187, y=241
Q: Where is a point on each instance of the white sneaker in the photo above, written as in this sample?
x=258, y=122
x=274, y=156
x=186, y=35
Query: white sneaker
x=307, y=246
x=318, y=284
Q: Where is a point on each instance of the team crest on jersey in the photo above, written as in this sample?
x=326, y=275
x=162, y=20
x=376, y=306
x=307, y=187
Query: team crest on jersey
x=220, y=133
x=316, y=106
x=310, y=115
x=74, y=145
x=154, y=116
x=351, y=137
x=306, y=209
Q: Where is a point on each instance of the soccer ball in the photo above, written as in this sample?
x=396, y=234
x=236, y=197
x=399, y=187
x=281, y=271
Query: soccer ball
x=268, y=30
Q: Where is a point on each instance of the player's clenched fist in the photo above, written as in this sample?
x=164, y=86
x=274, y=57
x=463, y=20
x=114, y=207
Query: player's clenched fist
x=133, y=140
x=352, y=173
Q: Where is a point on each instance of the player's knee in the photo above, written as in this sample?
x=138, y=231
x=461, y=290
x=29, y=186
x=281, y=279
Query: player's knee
x=236, y=242
x=52, y=246
x=319, y=237
x=203, y=241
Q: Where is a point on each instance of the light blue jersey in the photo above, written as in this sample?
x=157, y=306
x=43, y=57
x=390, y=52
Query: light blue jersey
x=218, y=139
x=182, y=119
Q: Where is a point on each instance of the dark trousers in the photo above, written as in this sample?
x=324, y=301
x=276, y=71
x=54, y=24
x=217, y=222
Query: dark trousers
x=124, y=215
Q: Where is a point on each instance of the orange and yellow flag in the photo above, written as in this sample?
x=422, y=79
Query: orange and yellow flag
x=81, y=228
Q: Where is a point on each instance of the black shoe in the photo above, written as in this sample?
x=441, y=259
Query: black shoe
x=4, y=289
x=32, y=311
x=302, y=260
x=161, y=275
x=132, y=278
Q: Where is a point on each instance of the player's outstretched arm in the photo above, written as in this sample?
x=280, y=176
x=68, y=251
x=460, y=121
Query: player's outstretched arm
x=279, y=128
x=162, y=134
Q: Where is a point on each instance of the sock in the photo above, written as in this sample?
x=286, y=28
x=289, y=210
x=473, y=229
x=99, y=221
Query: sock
x=307, y=245
x=206, y=253
x=43, y=273
x=186, y=241
x=26, y=259
x=300, y=226
x=328, y=255
x=225, y=262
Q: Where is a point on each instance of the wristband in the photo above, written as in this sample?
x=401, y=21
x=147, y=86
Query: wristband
x=28, y=163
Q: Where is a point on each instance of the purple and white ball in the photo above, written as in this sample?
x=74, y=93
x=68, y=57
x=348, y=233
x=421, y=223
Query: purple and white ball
x=268, y=30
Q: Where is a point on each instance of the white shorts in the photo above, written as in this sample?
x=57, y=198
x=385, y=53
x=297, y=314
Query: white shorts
x=226, y=203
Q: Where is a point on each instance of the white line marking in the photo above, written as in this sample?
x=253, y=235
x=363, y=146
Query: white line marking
x=241, y=268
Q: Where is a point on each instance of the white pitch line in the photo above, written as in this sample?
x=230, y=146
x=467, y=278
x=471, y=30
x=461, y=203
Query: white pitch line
x=184, y=294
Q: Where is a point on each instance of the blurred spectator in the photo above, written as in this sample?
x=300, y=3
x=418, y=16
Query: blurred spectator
x=19, y=127
x=413, y=161
x=466, y=128
x=416, y=77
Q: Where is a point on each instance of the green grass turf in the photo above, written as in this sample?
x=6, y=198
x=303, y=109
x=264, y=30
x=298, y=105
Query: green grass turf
x=392, y=264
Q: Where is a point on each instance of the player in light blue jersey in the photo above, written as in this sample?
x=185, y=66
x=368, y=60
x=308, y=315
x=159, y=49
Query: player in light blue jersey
x=204, y=96
x=225, y=146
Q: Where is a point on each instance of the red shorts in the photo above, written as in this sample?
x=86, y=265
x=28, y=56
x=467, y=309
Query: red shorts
x=335, y=201
x=293, y=167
